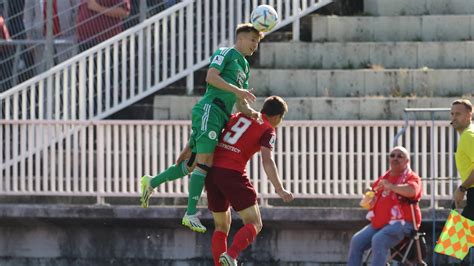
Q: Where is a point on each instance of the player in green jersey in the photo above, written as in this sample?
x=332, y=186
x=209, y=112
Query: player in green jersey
x=227, y=84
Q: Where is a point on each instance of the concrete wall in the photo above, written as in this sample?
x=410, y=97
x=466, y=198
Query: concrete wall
x=418, y=7
x=360, y=83
x=355, y=55
x=398, y=29
x=121, y=235
x=319, y=108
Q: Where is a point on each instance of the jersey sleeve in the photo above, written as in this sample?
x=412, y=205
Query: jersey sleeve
x=268, y=139
x=413, y=180
x=220, y=58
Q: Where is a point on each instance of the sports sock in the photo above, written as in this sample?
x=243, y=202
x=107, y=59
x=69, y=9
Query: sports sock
x=172, y=173
x=242, y=239
x=196, y=185
x=218, y=245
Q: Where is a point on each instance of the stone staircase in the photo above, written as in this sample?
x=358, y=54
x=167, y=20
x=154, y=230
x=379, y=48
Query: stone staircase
x=399, y=54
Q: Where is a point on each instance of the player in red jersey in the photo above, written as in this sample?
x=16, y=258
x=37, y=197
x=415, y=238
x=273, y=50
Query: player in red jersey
x=227, y=183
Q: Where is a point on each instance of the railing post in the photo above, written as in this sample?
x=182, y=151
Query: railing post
x=100, y=161
x=296, y=24
x=189, y=48
x=143, y=8
x=49, y=53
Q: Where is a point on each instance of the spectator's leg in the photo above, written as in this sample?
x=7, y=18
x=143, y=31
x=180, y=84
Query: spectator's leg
x=360, y=242
x=386, y=238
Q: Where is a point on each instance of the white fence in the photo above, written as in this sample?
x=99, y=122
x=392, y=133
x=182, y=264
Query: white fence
x=316, y=159
x=140, y=61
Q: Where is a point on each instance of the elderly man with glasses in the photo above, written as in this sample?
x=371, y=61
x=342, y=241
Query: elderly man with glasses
x=390, y=215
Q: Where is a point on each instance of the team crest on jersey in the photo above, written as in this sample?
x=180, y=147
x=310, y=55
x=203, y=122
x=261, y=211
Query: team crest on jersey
x=212, y=135
x=218, y=59
x=241, y=78
x=272, y=141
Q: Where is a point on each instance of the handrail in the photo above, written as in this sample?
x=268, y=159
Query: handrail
x=316, y=159
x=168, y=46
x=433, y=203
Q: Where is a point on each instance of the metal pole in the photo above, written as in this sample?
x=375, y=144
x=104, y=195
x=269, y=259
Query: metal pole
x=296, y=24
x=189, y=48
x=143, y=8
x=433, y=187
x=49, y=51
x=401, y=131
x=433, y=161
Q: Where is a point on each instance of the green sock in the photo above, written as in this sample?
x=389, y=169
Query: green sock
x=196, y=185
x=172, y=173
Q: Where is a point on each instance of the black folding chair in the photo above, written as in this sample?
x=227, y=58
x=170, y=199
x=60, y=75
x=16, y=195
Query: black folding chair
x=411, y=250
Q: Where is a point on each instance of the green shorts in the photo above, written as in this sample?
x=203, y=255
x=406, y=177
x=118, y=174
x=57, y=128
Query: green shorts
x=208, y=120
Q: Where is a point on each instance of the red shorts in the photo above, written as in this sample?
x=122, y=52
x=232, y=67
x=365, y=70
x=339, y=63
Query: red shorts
x=229, y=187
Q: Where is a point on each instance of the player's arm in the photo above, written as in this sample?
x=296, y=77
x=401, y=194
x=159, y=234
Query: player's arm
x=244, y=107
x=272, y=174
x=114, y=11
x=458, y=195
x=214, y=78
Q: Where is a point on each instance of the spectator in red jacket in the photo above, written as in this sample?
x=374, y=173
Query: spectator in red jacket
x=99, y=20
x=390, y=212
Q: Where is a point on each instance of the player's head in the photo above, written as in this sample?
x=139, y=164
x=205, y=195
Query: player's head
x=247, y=38
x=275, y=109
x=461, y=113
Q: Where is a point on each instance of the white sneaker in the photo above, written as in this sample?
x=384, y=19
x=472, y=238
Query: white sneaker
x=193, y=223
x=227, y=260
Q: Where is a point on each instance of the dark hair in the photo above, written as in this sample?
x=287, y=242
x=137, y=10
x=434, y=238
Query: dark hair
x=274, y=105
x=247, y=27
x=464, y=102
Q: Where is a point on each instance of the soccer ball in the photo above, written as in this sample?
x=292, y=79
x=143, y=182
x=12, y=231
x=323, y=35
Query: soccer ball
x=264, y=18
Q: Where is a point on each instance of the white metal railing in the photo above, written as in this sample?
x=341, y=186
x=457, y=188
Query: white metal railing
x=36, y=47
x=316, y=159
x=139, y=61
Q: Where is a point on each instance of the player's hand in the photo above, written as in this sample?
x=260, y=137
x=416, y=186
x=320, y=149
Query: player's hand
x=246, y=95
x=285, y=195
x=458, y=198
x=257, y=116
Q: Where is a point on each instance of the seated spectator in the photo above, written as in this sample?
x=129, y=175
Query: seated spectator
x=389, y=213
x=99, y=20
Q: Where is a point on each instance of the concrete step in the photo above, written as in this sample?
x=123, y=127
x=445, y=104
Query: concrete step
x=399, y=28
x=417, y=7
x=359, y=83
x=355, y=55
x=168, y=107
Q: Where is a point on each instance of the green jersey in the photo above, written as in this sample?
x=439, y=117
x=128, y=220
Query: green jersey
x=234, y=69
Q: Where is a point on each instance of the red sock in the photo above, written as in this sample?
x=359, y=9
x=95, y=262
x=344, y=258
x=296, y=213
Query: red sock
x=242, y=240
x=218, y=245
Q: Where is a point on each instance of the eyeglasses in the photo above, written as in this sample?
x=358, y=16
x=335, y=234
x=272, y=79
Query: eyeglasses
x=398, y=155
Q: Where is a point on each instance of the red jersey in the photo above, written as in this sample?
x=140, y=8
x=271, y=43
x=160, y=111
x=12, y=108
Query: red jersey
x=240, y=140
x=386, y=202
